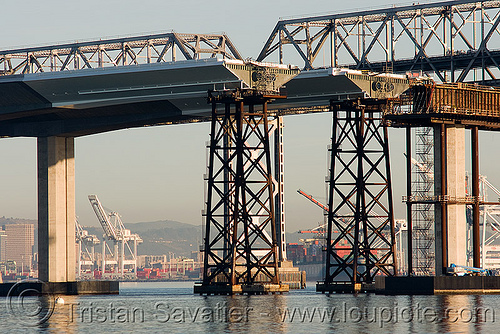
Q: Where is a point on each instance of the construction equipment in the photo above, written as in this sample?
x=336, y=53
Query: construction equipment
x=312, y=199
x=86, y=250
x=457, y=270
x=123, y=256
x=318, y=232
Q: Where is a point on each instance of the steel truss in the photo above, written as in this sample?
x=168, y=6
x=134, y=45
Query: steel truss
x=447, y=40
x=116, y=52
x=240, y=245
x=360, y=195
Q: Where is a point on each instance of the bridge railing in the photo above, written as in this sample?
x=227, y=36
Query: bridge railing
x=117, y=52
x=459, y=98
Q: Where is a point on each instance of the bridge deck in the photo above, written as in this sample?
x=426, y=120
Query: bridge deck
x=81, y=102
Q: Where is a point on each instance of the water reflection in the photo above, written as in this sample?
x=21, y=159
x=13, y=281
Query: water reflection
x=302, y=311
x=241, y=313
x=465, y=313
x=64, y=318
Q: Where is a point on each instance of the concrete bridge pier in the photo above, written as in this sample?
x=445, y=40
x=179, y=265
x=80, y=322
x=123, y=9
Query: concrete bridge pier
x=449, y=183
x=56, y=209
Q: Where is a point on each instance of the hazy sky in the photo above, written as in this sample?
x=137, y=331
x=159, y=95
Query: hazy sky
x=157, y=173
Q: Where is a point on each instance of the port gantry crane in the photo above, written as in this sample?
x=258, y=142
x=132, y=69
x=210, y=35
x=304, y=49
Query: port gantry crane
x=115, y=231
x=86, y=249
x=320, y=230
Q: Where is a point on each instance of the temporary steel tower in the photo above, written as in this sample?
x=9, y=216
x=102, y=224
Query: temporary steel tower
x=240, y=236
x=360, y=198
x=123, y=253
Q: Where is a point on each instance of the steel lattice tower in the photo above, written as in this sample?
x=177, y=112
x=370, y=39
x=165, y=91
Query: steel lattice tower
x=240, y=238
x=360, y=187
x=423, y=213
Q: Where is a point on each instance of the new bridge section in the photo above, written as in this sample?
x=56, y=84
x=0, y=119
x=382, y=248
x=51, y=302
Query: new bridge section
x=76, y=103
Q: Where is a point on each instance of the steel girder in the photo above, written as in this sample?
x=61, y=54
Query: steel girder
x=447, y=40
x=360, y=196
x=240, y=245
x=116, y=52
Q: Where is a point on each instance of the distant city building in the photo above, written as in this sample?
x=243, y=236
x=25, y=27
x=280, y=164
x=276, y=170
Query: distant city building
x=3, y=243
x=19, y=244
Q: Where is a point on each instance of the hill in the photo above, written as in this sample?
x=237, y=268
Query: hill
x=162, y=237
x=4, y=220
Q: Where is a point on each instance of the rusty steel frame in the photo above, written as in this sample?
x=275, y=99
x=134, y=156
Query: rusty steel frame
x=360, y=195
x=240, y=244
x=117, y=52
x=447, y=40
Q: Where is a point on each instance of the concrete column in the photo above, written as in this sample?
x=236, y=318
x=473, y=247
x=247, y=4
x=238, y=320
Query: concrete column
x=457, y=223
x=455, y=235
x=56, y=209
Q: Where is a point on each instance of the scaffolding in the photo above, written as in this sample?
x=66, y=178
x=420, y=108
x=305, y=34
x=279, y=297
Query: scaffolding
x=423, y=213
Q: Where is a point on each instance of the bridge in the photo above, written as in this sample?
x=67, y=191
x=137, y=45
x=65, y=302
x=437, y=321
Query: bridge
x=60, y=92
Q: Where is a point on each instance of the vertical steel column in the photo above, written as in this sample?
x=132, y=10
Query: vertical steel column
x=409, y=202
x=279, y=199
x=452, y=46
x=476, y=249
x=228, y=179
x=280, y=34
x=390, y=203
x=331, y=259
x=206, y=242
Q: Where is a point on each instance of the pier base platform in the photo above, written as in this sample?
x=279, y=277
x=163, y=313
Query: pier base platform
x=61, y=288
x=437, y=285
x=344, y=287
x=240, y=289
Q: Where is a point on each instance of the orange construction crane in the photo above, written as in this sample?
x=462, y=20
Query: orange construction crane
x=321, y=229
x=309, y=197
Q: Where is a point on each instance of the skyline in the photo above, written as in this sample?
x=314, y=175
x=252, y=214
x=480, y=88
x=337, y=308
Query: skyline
x=156, y=173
